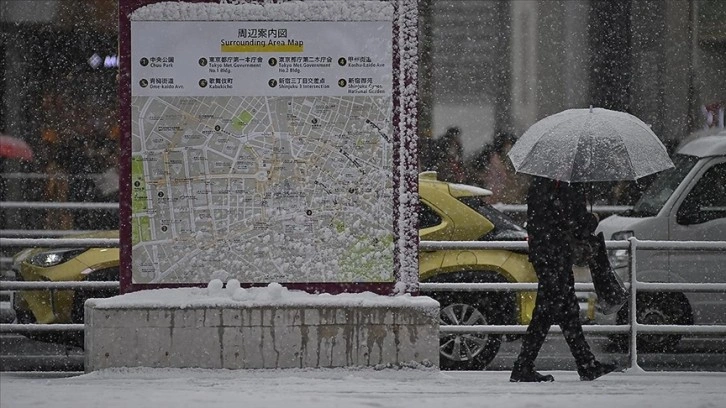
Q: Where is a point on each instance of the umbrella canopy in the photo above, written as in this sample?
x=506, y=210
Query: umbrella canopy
x=14, y=148
x=583, y=145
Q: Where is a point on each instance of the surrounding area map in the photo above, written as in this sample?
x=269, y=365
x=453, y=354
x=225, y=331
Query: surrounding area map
x=269, y=188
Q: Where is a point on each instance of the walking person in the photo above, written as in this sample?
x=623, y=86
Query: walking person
x=557, y=216
x=562, y=151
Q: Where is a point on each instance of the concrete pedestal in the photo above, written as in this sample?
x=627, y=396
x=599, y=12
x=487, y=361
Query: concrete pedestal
x=136, y=330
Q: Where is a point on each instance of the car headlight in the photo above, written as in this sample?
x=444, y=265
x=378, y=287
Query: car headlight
x=55, y=257
x=619, y=257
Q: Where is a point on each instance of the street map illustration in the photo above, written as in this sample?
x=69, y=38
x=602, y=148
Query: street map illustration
x=289, y=189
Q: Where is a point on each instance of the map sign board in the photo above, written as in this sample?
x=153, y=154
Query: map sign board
x=261, y=147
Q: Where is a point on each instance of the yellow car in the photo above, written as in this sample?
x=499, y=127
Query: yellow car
x=456, y=212
x=63, y=264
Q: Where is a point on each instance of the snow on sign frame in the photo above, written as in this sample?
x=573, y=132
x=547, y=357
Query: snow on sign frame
x=269, y=142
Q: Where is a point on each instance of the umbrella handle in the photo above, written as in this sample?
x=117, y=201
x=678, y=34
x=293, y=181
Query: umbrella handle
x=591, y=187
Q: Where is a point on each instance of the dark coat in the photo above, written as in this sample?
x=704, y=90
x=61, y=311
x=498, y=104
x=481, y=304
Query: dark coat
x=556, y=214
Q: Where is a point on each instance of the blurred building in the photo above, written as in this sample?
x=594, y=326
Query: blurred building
x=499, y=66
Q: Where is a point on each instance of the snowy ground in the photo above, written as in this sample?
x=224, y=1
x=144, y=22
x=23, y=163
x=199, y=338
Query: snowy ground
x=349, y=388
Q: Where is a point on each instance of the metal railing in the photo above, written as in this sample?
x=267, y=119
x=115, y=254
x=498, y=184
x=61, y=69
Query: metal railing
x=599, y=209
x=50, y=205
x=60, y=242
x=633, y=327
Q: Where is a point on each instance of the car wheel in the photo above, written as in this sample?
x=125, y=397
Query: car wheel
x=656, y=309
x=466, y=351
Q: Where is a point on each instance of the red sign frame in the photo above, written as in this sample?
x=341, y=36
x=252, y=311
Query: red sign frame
x=405, y=162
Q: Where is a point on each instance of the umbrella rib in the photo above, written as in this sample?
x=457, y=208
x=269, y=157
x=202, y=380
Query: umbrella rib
x=546, y=134
x=631, y=168
x=649, y=131
x=641, y=124
x=531, y=151
x=577, y=146
x=574, y=157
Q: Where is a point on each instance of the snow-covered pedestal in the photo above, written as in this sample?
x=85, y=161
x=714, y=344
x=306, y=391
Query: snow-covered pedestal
x=268, y=327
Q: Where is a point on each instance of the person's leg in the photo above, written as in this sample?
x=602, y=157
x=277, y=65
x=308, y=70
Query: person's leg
x=572, y=327
x=587, y=365
x=523, y=370
x=536, y=331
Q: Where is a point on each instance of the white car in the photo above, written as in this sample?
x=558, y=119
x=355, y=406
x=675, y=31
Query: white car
x=686, y=203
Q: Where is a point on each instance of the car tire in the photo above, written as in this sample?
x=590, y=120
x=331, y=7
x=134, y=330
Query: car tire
x=483, y=308
x=466, y=351
x=655, y=308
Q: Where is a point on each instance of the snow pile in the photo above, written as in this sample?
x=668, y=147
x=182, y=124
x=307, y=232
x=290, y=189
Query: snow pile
x=216, y=294
x=287, y=11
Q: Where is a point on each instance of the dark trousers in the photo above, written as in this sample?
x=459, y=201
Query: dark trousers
x=556, y=303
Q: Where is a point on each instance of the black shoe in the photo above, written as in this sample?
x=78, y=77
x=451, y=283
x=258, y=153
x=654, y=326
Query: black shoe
x=521, y=374
x=595, y=370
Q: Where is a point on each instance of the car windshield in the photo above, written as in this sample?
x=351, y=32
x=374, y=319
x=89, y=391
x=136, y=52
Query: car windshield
x=505, y=228
x=656, y=195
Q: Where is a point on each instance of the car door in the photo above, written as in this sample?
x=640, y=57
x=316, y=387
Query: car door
x=701, y=216
x=432, y=227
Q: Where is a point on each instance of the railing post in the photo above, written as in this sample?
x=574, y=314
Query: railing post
x=633, y=305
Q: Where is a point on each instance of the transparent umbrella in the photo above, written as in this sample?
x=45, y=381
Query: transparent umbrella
x=585, y=145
